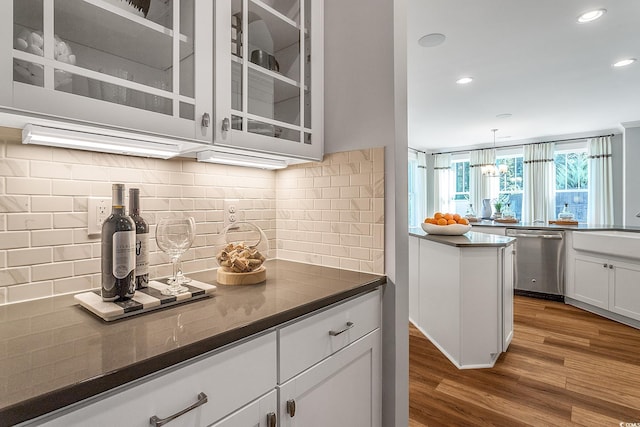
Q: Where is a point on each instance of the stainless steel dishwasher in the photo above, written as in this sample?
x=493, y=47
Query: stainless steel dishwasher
x=540, y=263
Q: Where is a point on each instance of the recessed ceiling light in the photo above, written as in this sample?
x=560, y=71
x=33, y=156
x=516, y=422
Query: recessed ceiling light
x=504, y=115
x=591, y=15
x=625, y=62
x=432, y=40
x=464, y=80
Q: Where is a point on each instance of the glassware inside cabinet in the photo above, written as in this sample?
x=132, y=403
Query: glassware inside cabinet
x=110, y=50
x=268, y=92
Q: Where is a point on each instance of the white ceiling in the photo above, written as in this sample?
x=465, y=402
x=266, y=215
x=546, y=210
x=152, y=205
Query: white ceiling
x=529, y=58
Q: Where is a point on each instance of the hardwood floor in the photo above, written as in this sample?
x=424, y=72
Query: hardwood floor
x=564, y=367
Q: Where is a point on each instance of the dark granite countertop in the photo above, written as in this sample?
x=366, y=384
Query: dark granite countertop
x=53, y=353
x=538, y=226
x=468, y=239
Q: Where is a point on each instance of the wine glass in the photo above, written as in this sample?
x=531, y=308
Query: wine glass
x=175, y=236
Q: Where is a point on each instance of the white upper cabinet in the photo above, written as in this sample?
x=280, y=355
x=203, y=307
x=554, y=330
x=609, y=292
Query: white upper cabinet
x=269, y=76
x=103, y=62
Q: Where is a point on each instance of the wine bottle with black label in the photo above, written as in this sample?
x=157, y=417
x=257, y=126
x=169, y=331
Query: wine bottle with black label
x=142, y=239
x=118, y=251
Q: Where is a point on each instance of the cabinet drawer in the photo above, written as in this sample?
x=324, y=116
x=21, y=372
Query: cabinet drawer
x=230, y=379
x=308, y=341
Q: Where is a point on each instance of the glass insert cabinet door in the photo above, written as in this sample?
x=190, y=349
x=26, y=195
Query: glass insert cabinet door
x=115, y=63
x=268, y=88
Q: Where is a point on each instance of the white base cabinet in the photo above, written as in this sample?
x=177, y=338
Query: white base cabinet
x=466, y=301
x=327, y=364
x=607, y=283
x=229, y=379
x=342, y=390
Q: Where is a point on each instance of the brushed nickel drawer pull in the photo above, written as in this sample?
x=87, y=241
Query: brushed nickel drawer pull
x=336, y=333
x=291, y=407
x=272, y=421
x=157, y=422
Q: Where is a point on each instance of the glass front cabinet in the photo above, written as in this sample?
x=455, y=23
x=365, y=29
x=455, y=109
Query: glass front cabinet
x=245, y=74
x=108, y=62
x=269, y=76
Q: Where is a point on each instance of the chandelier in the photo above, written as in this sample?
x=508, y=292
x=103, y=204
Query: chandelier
x=494, y=169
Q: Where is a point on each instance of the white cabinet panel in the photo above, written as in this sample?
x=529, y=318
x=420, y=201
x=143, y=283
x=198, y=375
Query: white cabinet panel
x=308, y=341
x=342, y=390
x=591, y=280
x=414, y=279
x=256, y=414
x=230, y=379
x=624, y=296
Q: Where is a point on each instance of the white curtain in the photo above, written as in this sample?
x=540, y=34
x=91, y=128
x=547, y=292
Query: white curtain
x=600, y=200
x=539, y=183
x=480, y=185
x=442, y=182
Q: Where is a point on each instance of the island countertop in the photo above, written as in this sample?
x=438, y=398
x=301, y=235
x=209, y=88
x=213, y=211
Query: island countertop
x=537, y=226
x=468, y=239
x=54, y=353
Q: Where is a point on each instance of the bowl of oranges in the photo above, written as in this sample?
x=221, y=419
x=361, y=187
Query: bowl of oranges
x=447, y=224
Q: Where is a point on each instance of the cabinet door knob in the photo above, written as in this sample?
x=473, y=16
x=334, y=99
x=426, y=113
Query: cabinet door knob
x=272, y=420
x=605, y=265
x=226, y=124
x=291, y=407
x=206, y=119
x=158, y=422
x=336, y=333
x=610, y=266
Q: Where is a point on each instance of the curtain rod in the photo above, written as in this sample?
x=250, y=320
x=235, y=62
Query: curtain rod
x=530, y=143
x=417, y=151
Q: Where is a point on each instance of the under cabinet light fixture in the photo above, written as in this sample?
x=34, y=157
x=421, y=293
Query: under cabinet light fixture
x=240, y=160
x=80, y=140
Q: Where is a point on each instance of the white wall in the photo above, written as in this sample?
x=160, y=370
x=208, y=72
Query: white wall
x=365, y=106
x=631, y=172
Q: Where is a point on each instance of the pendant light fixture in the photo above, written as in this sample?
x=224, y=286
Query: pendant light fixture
x=494, y=170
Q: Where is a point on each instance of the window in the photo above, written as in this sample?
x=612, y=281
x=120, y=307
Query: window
x=417, y=179
x=511, y=186
x=572, y=181
x=460, y=183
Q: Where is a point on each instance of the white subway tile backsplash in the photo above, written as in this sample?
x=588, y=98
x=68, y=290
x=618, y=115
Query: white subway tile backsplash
x=15, y=276
x=21, y=257
x=51, y=237
x=15, y=149
x=41, y=169
x=14, y=204
x=86, y=266
x=51, y=271
x=73, y=252
x=70, y=188
x=70, y=220
x=31, y=291
x=310, y=212
x=88, y=172
x=24, y=221
x=51, y=204
x=73, y=284
x=12, y=167
x=14, y=240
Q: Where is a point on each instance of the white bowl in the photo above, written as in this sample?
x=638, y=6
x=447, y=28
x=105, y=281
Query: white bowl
x=449, y=230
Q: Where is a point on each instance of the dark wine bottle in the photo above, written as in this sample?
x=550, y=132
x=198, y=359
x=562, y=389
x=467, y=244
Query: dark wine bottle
x=142, y=239
x=118, y=251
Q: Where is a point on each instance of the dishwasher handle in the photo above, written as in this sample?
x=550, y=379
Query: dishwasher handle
x=539, y=236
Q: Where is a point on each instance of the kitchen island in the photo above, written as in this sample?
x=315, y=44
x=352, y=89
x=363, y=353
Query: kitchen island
x=461, y=291
x=54, y=353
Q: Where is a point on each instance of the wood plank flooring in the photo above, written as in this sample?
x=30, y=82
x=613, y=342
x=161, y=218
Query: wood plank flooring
x=564, y=367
